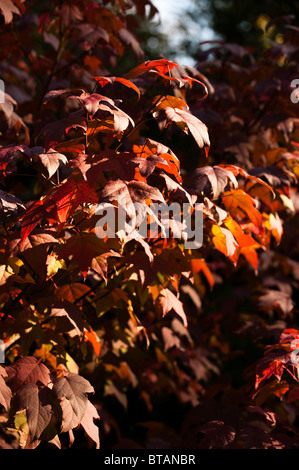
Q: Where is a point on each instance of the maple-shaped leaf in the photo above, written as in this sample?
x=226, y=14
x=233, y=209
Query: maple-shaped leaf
x=243, y=239
x=244, y=243
x=182, y=81
x=217, y=434
x=69, y=419
x=27, y=370
x=240, y=204
x=71, y=292
x=45, y=235
x=10, y=203
x=168, y=301
x=279, y=357
x=88, y=424
x=82, y=248
x=199, y=265
x=32, y=217
x=62, y=93
x=129, y=39
x=121, y=119
x=272, y=300
x=269, y=416
x=160, y=65
x=224, y=240
x=211, y=181
x=186, y=121
x=74, y=389
x=58, y=206
x=170, y=101
x=5, y=391
x=9, y=155
x=69, y=196
x=274, y=175
x=71, y=147
x=149, y=152
x=101, y=105
x=175, y=188
x=279, y=389
x=100, y=263
x=8, y=8
x=104, y=80
x=123, y=163
x=55, y=131
x=91, y=336
x=51, y=160
x=236, y=170
x=129, y=193
x=38, y=410
x=70, y=311
x=146, y=166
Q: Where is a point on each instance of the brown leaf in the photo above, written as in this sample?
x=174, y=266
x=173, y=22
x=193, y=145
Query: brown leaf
x=186, y=120
x=129, y=193
x=5, y=392
x=217, y=434
x=71, y=312
x=52, y=160
x=74, y=388
x=273, y=300
x=38, y=410
x=211, y=181
x=27, y=370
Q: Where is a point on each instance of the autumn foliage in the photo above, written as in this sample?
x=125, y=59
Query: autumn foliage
x=128, y=341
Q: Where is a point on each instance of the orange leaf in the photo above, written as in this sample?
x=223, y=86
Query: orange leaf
x=200, y=265
x=170, y=101
x=104, y=80
x=93, y=338
x=161, y=65
x=224, y=240
x=238, y=203
x=243, y=239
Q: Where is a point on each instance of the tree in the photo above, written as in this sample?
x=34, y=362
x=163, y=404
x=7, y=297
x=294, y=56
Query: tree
x=242, y=23
x=102, y=320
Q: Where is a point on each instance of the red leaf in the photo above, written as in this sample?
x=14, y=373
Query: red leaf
x=82, y=248
x=104, y=80
x=161, y=65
